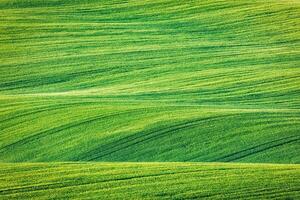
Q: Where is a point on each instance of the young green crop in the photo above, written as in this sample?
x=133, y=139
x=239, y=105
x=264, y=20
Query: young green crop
x=149, y=81
x=148, y=181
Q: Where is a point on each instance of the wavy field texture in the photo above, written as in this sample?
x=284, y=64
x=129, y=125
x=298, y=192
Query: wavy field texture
x=89, y=129
x=149, y=181
x=150, y=81
x=227, y=52
x=86, y=87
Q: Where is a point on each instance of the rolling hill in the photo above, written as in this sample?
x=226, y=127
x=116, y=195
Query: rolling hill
x=149, y=181
x=88, y=129
x=89, y=82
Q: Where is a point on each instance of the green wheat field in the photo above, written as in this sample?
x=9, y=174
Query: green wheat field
x=162, y=99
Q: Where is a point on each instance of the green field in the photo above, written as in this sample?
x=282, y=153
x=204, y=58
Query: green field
x=149, y=181
x=122, y=91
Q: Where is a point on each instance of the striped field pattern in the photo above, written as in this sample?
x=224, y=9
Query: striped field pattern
x=149, y=181
x=87, y=129
x=149, y=81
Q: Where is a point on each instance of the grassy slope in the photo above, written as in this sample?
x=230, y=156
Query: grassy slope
x=149, y=181
x=72, y=129
x=149, y=81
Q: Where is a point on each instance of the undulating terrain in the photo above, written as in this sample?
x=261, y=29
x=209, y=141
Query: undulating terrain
x=149, y=181
x=149, y=99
